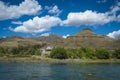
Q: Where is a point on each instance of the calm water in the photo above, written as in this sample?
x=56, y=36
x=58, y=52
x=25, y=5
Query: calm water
x=45, y=71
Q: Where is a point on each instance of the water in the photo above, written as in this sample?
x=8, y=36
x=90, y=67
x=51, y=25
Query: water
x=46, y=71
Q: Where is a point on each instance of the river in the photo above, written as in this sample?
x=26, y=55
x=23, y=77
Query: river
x=47, y=71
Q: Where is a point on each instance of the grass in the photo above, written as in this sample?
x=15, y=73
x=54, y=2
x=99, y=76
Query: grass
x=50, y=60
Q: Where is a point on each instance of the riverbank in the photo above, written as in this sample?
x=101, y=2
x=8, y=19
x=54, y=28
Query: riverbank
x=50, y=60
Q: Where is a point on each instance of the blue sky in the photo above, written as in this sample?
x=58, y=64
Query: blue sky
x=62, y=17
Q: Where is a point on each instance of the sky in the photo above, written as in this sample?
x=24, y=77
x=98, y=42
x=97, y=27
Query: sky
x=61, y=17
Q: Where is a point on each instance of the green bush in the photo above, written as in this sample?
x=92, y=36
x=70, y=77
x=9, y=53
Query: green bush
x=25, y=50
x=102, y=54
x=3, y=51
x=85, y=52
x=58, y=53
x=72, y=53
x=61, y=53
x=80, y=53
x=116, y=53
x=14, y=51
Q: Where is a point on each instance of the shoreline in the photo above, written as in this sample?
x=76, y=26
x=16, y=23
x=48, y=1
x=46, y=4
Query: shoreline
x=36, y=59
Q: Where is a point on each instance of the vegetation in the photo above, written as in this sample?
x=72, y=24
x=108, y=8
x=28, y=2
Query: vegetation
x=20, y=51
x=102, y=53
x=62, y=53
x=116, y=53
x=59, y=53
x=84, y=53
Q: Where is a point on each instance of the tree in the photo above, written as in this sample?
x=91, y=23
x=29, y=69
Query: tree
x=2, y=51
x=116, y=53
x=58, y=53
x=81, y=53
x=86, y=52
x=72, y=53
x=14, y=50
x=102, y=54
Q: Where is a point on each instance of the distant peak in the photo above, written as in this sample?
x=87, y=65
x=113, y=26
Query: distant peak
x=86, y=32
x=87, y=29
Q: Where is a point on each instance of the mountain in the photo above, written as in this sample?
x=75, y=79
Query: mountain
x=86, y=32
x=51, y=40
x=88, y=38
x=14, y=41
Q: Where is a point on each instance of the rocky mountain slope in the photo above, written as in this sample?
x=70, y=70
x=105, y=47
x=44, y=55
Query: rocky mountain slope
x=88, y=38
x=52, y=40
x=14, y=41
x=84, y=38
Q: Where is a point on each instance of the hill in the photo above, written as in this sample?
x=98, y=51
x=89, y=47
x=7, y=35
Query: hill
x=14, y=41
x=86, y=37
x=51, y=40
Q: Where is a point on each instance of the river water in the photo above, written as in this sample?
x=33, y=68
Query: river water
x=47, y=71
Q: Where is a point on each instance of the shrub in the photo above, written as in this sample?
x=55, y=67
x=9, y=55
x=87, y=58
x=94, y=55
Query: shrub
x=86, y=52
x=14, y=50
x=116, y=53
x=102, y=54
x=81, y=53
x=58, y=53
x=3, y=51
x=25, y=50
x=72, y=53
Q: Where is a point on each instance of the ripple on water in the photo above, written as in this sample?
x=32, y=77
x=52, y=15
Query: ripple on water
x=45, y=71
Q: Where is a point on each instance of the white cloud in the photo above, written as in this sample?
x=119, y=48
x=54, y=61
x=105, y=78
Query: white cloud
x=38, y=25
x=115, y=9
x=16, y=22
x=102, y=1
x=53, y=10
x=45, y=34
x=65, y=36
x=10, y=28
x=4, y=36
x=27, y=7
x=114, y=34
x=118, y=18
x=92, y=17
x=87, y=18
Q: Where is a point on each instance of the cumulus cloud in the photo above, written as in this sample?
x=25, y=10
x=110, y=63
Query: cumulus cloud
x=53, y=10
x=45, y=23
x=38, y=25
x=114, y=34
x=45, y=34
x=16, y=22
x=65, y=36
x=87, y=18
x=27, y=7
x=92, y=18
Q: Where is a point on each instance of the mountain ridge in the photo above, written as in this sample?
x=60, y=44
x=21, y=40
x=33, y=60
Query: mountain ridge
x=86, y=37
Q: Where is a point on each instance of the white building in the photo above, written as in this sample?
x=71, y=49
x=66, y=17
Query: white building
x=47, y=49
